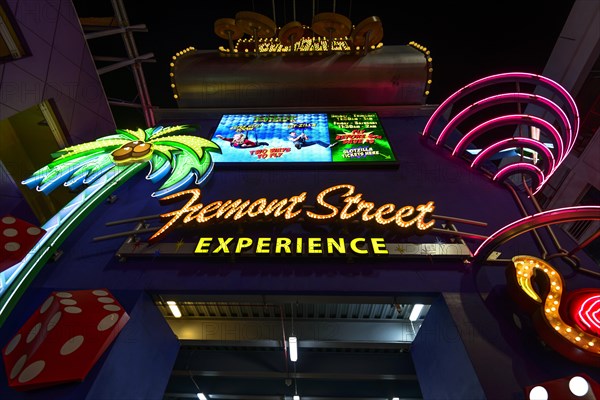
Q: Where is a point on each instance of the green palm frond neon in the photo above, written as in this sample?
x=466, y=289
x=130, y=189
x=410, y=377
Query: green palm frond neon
x=184, y=158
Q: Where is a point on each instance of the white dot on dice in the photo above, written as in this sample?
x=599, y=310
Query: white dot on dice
x=71, y=345
x=33, y=231
x=18, y=366
x=8, y=220
x=10, y=232
x=33, y=332
x=13, y=343
x=53, y=321
x=46, y=304
x=108, y=322
x=32, y=371
x=106, y=300
x=12, y=246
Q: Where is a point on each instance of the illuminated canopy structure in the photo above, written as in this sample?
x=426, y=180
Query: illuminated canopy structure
x=331, y=63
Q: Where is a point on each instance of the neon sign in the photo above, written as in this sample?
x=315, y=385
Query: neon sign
x=566, y=116
x=289, y=208
x=574, y=333
x=101, y=166
x=287, y=246
x=184, y=158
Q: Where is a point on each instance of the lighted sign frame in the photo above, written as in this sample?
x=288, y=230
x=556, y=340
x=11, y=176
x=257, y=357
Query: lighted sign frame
x=327, y=139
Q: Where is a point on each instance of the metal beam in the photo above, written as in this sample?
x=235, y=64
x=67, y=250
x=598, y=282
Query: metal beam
x=178, y=396
x=269, y=299
x=303, y=344
x=235, y=330
x=404, y=250
x=298, y=375
x=109, y=58
x=132, y=52
x=311, y=365
x=135, y=219
x=331, y=387
x=116, y=31
x=327, y=374
x=121, y=64
x=127, y=104
x=124, y=234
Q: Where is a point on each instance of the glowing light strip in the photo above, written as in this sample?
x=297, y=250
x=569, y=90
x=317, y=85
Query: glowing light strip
x=524, y=281
x=57, y=228
x=524, y=267
x=508, y=77
x=515, y=142
x=502, y=99
x=509, y=120
x=585, y=308
x=531, y=222
x=182, y=183
x=526, y=168
x=160, y=173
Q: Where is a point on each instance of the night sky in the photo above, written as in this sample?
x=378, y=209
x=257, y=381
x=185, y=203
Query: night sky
x=466, y=42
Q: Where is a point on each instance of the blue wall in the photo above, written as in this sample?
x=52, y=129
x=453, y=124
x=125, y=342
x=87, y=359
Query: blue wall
x=441, y=358
x=425, y=173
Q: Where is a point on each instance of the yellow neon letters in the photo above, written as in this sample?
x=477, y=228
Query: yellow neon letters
x=283, y=245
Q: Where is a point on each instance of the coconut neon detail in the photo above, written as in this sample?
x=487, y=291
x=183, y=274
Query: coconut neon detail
x=184, y=158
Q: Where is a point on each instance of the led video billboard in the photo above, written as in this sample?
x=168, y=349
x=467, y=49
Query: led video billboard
x=338, y=138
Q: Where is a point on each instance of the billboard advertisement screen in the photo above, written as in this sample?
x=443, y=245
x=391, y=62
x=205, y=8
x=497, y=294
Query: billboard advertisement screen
x=338, y=138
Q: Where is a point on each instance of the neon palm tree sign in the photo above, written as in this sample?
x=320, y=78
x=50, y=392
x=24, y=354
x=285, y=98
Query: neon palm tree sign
x=104, y=165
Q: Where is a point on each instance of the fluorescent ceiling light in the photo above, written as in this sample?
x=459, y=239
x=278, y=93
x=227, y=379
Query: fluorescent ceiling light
x=201, y=396
x=416, y=311
x=177, y=314
x=296, y=397
x=293, y=349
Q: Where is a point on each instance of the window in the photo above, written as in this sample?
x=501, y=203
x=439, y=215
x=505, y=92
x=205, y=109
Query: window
x=12, y=44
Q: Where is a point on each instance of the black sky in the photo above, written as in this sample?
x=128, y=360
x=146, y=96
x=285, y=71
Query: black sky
x=467, y=42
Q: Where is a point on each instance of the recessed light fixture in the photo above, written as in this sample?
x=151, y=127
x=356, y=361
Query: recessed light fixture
x=177, y=314
x=293, y=349
x=416, y=311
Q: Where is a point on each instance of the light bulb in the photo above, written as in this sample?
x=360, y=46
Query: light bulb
x=176, y=313
x=293, y=348
x=416, y=311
